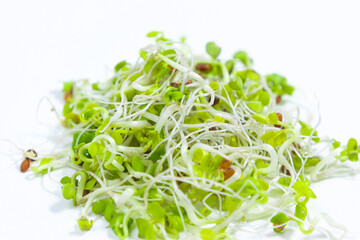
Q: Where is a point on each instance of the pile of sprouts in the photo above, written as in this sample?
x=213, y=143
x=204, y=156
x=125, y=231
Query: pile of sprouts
x=180, y=146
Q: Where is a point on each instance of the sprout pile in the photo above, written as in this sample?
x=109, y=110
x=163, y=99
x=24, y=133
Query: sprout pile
x=176, y=145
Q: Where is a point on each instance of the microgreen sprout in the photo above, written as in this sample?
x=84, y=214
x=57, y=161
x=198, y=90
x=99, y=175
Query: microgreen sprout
x=173, y=145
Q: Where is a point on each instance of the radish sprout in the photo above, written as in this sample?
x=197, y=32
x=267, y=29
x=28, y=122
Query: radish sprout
x=179, y=145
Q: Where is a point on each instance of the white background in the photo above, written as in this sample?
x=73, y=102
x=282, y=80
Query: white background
x=315, y=44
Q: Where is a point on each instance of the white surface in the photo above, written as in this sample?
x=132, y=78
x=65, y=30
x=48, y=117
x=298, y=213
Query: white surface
x=315, y=44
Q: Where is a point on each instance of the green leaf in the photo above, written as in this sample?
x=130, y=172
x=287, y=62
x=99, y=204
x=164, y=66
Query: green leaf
x=229, y=65
x=160, y=75
x=96, y=149
x=99, y=206
x=207, y=234
x=148, y=65
x=172, y=94
x=142, y=225
x=243, y=57
x=302, y=189
x=285, y=181
x=68, y=191
x=71, y=119
x=213, y=50
x=135, y=76
x=353, y=156
x=219, y=119
x=119, y=66
x=67, y=109
x=198, y=170
x=168, y=52
x=117, y=226
x=274, y=138
x=273, y=117
x=260, y=118
x=155, y=196
x=156, y=211
x=176, y=95
x=116, y=135
x=232, y=142
x=84, y=137
x=152, y=169
x=162, y=39
x=259, y=163
x=182, y=39
x=90, y=184
x=175, y=222
x=352, y=145
x=248, y=74
x=156, y=155
x=306, y=130
x=146, y=230
x=95, y=86
x=65, y=180
x=40, y=168
x=263, y=185
x=256, y=106
x=201, y=156
x=45, y=161
x=280, y=218
x=84, y=224
x=143, y=54
x=312, y=162
x=264, y=97
x=68, y=86
x=137, y=164
x=251, y=74
x=214, y=85
x=153, y=34
x=336, y=144
x=231, y=204
x=109, y=209
x=288, y=89
x=301, y=211
x=250, y=186
x=236, y=83
x=278, y=84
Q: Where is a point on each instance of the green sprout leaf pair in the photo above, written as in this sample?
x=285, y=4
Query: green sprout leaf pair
x=272, y=118
x=105, y=207
x=280, y=220
x=248, y=187
x=208, y=166
x=84, y=224
x=73, y=188
x=243, y=57
x=274, y=138
x=351, y=151
x=120, y=66
x=278, y=84
x=303, y=191
x=307, y=130
x=172, y=95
